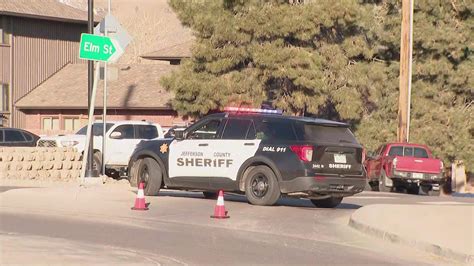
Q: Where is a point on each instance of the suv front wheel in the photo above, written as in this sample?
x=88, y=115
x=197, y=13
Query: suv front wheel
x=261, y=186
x=150, y=173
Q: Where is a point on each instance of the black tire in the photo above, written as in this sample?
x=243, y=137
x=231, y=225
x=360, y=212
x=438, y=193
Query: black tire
x=97, y=161
x=133, y=178
x=261, y=186
x=414, y=189
x=210, y=195
x=150, y=172
x=331, y=202
x=382, y=186
x=374, y=185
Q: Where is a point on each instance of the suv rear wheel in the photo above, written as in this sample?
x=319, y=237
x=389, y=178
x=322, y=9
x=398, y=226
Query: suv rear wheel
x=261, y=186
x=330, y=202
x=150, y=172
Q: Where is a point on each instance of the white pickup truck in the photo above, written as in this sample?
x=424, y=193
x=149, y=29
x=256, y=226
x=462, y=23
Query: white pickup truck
x=121, y=139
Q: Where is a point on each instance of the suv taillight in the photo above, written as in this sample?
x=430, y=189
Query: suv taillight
x=304, y=152
x=394, y=163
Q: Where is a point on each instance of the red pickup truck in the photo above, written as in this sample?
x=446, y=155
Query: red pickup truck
x=404, y=166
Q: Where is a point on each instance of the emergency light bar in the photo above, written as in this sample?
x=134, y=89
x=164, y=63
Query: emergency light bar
x=253, y=110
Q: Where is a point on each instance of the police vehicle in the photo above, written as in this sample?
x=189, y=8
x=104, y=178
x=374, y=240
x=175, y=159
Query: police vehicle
x=258, y=152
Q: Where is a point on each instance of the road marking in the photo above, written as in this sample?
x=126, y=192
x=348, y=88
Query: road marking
x=444, y=203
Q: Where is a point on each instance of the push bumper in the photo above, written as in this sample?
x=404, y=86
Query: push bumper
x=323, y=185
x=417, y=178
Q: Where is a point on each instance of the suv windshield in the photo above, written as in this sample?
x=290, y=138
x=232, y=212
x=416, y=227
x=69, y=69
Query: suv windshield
x=335, y=134
x=97, y=129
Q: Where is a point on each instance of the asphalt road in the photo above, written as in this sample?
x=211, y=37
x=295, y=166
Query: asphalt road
x=177, y=230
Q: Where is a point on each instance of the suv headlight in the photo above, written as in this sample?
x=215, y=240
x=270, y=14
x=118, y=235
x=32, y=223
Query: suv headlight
x=69, y=143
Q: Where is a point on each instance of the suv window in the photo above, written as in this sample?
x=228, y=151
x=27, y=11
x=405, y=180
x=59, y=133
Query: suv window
x=1, y=135
x=207, y=131
x=126, y=130
x=13, y=136
x=145, y=132
x=236, y=129
x=28, y=136
x=335, y=134
x=97, y=129
x=275, y=130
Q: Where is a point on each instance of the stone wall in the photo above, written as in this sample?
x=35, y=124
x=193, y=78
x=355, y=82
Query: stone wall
x=40, y=163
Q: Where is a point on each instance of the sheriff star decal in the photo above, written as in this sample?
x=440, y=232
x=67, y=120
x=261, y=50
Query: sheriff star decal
x=164, y=148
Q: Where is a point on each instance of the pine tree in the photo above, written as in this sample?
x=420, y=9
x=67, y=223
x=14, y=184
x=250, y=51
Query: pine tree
x=337, y=60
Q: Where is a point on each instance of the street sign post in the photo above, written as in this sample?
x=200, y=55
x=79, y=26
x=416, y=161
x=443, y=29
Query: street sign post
x=99, y=48
x=107, y=49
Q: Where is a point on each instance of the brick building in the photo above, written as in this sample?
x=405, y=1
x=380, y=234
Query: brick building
x=44, y=83
x=37, y=38
x=59, y=105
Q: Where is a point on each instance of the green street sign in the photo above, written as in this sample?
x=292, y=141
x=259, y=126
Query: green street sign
x=100, y=48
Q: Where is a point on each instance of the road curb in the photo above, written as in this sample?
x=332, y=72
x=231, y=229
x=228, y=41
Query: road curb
x=394, y=238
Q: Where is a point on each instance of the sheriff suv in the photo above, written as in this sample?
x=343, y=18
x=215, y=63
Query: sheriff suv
x=257, y=152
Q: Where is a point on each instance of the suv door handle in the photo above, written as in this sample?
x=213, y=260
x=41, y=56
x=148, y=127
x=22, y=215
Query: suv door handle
x=249, y=144
x=203, y=144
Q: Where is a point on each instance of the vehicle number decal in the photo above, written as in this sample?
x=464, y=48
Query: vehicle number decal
x=340, y=166
x=274, y=149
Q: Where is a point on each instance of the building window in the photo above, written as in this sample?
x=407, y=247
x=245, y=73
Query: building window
x=4, y=35
x=74, y=123
x=4, y=98
x=50, y=123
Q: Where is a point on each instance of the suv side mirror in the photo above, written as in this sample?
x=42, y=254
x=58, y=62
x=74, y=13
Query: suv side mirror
x=116, y=135
x=179, y=134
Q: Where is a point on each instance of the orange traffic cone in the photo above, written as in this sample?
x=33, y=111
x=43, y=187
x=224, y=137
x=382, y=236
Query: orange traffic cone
x=219, y=210
x=140, y=204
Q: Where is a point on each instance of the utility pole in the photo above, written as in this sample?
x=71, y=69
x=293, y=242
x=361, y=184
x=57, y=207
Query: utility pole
x=90, y=172
x=104, y=112
x=406, y=54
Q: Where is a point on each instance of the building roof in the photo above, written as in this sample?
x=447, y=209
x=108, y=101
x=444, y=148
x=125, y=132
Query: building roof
x=43, y=9
x=137, y=87
x=174, y=52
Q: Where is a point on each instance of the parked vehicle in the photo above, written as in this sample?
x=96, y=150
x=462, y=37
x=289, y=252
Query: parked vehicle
x=122, y=138
x=169, y=133
x=256, y=152
x=404, y=166
x=14, y=137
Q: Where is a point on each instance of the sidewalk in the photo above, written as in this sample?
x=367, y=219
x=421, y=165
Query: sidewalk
x=445, y=230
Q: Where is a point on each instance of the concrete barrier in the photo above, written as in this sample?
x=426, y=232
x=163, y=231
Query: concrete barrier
x=40, y=163
x=444, y=230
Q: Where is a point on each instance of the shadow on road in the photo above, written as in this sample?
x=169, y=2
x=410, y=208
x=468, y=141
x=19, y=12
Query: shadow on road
x=6, y=188
x=288, y=202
